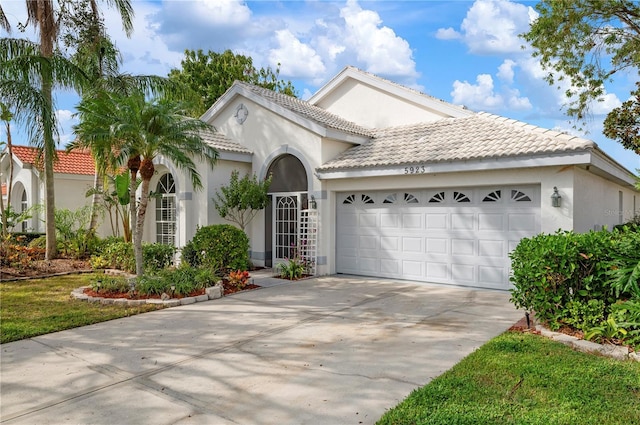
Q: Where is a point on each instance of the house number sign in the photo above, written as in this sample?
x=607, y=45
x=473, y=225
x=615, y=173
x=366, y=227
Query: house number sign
x=415, y=169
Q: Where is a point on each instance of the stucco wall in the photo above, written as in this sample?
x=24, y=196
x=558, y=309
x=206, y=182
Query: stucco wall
x=373, y=108
x=597, y=202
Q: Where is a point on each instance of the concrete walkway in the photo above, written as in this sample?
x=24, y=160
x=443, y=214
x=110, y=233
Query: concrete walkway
x=329, y=350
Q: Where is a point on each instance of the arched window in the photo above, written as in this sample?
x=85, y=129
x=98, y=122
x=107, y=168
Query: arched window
x=23, y=208
x=166, y=210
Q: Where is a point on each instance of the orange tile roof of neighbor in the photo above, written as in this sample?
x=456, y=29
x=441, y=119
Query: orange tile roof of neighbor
x=74, y=162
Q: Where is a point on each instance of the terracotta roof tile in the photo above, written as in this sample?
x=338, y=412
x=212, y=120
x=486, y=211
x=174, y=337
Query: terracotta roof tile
x=74, y=162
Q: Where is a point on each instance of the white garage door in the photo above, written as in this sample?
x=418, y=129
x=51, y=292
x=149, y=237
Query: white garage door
x=458, y=236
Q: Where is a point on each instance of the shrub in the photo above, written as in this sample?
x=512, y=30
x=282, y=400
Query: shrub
x=585, y=315
x=220, y=247
x=14, y=254
x=116, y=254
x=181, y=281
x=157, y=256
x=110, y=284
x=625, y=267
x=292, y=268
x=549, y=271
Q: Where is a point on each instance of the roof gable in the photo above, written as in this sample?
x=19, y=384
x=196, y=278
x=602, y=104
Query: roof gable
x=316, y=119
x=376, y=102
x=78, y=162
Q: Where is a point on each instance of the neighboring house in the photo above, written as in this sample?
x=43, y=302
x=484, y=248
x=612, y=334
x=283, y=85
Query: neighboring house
x=73, y=176
x=406, y=186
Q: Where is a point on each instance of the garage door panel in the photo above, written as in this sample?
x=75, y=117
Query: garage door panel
x=368, y=265
x=438, y=221
x=412, y=221
x=437, y=271
x=522, y=222
x=389, y=221
x=390, y=267
x=462, y=221
x=390, y=244
x=368, y=220
x=437, y=246
x=492, y=276
x=412, y=269
x=491, y=248
x=412, y=245
x=493, y=221
x=444, y=241
x=463, y=246
x=463, y=273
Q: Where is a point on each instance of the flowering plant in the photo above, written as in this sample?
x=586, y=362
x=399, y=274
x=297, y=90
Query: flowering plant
x=239, y=278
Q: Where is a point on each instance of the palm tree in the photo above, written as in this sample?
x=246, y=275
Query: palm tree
x=27, y=80
x=44, y=17
x=143, y=129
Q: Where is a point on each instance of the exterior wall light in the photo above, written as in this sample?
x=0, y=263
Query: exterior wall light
x=313, y=204
x=556, y=199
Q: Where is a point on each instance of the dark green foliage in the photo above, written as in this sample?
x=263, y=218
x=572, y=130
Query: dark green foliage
x=242, y=198
x=210, y=74
x=157, y=256
x=114, y=253
x=219, y=247
x=584, y=315
x=105, y=284
x=549, y=271
x=182, y=281
x=625, y=273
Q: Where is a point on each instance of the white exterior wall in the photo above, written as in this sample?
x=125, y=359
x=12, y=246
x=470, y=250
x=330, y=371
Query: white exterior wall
x=269, y=136
x=373, y=108
x=552, y=218
x=598, y=202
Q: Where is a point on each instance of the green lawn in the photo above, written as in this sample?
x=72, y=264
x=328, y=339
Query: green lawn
x=34, y=307
x=526, y=379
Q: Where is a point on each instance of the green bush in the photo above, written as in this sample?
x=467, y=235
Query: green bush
x=110, y=284
x=585, y=315
x=114, y=253
x=625, y=268
x=157, y=256
x=181, y=281
x=219, y=247
x=552, y=270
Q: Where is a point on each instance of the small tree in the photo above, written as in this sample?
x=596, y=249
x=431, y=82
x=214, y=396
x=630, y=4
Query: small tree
x=241, y=200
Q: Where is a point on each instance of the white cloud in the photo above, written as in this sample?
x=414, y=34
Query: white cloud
x=492, y=27
x=480, y=96
x=294, y=57
x=506, y=72
x=377, y=47
x=447, y=34
x=483, y=96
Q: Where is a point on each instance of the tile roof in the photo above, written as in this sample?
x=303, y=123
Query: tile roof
x=75, y=162
x=222, y=143
x=307, y=110
x=4, y=189
x=480, y=136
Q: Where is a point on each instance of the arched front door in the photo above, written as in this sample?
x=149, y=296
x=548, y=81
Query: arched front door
x=288, y=192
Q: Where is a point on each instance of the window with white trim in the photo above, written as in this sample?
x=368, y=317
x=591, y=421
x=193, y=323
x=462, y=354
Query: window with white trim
x=166, y=210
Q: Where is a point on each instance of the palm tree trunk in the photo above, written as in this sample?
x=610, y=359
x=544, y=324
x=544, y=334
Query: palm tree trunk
x=3, y=210
x=95, y=200
x=142, y=211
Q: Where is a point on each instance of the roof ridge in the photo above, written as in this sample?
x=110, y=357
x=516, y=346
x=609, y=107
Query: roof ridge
x=308, y=110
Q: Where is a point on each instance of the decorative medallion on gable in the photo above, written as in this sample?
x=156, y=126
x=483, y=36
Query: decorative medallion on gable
x=241, y=113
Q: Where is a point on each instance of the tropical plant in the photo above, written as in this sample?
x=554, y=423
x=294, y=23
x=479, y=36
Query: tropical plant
x=73, y=232
x=238, y=278
x=241, y=199
x=6, y=116
x=586, y=43
x=143, y=130
x=30, y=72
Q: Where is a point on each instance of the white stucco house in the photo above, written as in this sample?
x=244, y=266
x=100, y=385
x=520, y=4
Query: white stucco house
x=404, y=185
x=73, y=176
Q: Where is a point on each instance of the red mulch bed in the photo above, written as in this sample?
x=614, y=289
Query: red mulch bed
x=45, y=268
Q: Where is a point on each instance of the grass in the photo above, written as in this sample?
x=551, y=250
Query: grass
x=35, y=307
x=526, y=379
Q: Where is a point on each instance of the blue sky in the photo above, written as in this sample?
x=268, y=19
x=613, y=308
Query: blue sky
x=463, y=52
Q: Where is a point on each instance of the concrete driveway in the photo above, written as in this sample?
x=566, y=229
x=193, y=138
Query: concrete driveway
x=329, y=350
